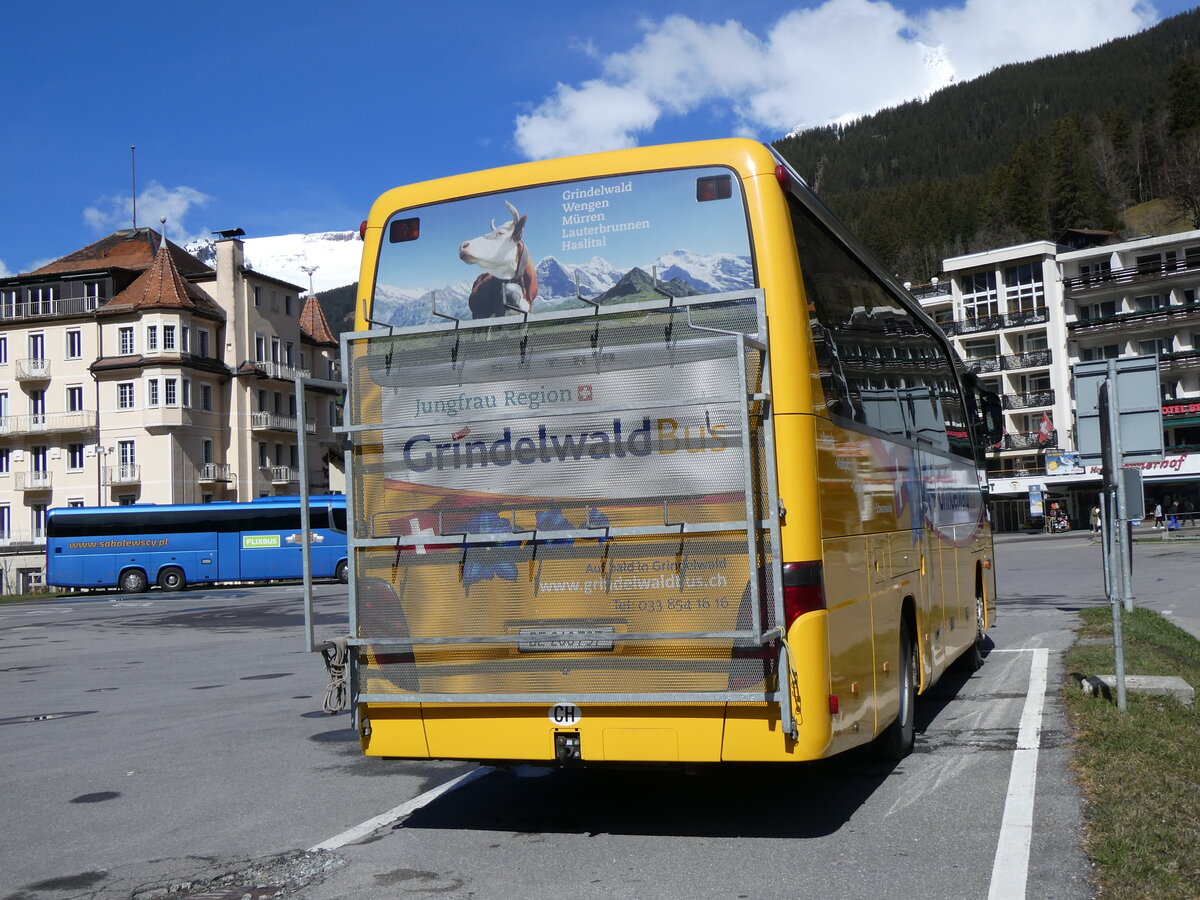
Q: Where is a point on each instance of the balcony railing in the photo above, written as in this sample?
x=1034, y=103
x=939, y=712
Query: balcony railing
x=282, y=474
x=1031, y=440
x=1184, y=359
x=10, y=538
x=1028, y=400
x=210, y=472
x=1031, y=359
x=1099, y=281
x=127, y=473
x=999, y=322
x=42, y=309
x=33, y=369
x=43, y=423
x=33, y=481
x=1136, y=320
x=279, y=370
x=265, y=421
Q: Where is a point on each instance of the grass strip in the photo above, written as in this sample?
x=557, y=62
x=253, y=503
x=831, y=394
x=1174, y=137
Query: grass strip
x=1139, y=770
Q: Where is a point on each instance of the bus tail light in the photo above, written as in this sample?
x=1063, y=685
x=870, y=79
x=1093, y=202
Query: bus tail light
x=803, y=590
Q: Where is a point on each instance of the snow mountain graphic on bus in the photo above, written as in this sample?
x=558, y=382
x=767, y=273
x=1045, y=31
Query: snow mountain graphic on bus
x=681, y=273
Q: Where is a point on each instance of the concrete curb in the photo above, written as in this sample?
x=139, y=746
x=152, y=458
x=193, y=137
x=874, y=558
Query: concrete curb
x=1154, y=685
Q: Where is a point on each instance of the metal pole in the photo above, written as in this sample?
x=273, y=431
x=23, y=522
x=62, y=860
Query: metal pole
x=1125, y=536
x=305, y=518
x=1112, y=461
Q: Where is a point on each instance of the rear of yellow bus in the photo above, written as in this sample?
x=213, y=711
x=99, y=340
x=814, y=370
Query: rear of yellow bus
x=548, y=452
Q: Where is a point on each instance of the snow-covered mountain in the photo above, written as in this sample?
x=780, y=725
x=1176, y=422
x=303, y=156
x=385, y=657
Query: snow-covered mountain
x=336, y=255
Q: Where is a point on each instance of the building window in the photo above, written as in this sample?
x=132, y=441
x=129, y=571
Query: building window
x=206, y=397
x=126, y=453
x=979, y=295
x=74, y=344
x=37, y=520
x=125, y=395
x=75, y=503
x=1096, y=271
x=202, y=342
x=1155, y=347
x=37, y=405
x=151, y=338
x=257, y=295
x=206, y=498
x=37, y=346
x=207, y=447
x=75, y=398
x=125, y=341
x=287, y=304
x=126, y=500
x=170, y=387
x=1108, y=351
x=260, y=348
x=168, y=337
x=185, y=343
x=1090, y=311
x=4, y=460
x=187, y=393
x=37, y=459
x=5, y=523
x=75, y=457
x=4, y=350
x=262, y=455
x=1151, y=302
x=1023, y=289
x=152, y=392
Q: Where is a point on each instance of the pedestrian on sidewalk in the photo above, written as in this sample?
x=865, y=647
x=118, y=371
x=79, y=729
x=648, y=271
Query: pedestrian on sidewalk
x=1159, y=521
x=1094, y=519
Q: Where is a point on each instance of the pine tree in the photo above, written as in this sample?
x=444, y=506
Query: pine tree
x=1183, y=98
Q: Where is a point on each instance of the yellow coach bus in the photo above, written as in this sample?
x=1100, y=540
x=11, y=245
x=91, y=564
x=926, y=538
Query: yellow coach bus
x=650, y=462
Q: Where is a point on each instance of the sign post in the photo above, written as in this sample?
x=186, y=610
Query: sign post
x=1119, y=421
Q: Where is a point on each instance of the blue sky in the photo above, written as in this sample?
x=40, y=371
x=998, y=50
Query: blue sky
x=292, y=117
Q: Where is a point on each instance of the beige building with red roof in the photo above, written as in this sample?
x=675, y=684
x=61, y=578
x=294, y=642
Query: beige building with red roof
x=130, y=375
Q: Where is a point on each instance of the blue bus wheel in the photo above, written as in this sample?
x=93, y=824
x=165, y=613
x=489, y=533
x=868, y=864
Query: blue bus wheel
x=343, y=572
x=133, y=581
x=172, y=579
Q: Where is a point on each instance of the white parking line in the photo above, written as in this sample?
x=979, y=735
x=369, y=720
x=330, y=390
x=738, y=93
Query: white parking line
x=404, y=809
x=1010, y=870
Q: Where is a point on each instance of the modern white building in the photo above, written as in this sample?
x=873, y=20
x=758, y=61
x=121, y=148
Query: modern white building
x=1021, y=316
x=132, y=373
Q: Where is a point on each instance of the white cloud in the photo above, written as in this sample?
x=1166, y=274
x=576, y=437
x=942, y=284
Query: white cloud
x=4, y=273
x=153, y=203
x=830, y=62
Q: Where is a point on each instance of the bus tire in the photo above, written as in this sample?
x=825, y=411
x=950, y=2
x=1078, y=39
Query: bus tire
x=972, y=659
x=897, y=741
x=133, y=581
x=172, y=579
x=342, y=573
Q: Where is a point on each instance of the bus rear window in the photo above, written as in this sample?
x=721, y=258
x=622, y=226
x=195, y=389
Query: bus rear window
x=541, y=249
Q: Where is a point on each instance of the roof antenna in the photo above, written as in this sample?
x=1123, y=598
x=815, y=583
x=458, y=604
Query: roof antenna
x=162, y=221
x=133, y=182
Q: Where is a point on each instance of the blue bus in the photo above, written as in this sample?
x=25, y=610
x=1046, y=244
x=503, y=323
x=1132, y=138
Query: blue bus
x=132, y=547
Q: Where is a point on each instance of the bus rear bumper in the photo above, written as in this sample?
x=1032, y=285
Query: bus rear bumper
x=566, y=733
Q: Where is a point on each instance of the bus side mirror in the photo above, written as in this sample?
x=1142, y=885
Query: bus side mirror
x=993, y=418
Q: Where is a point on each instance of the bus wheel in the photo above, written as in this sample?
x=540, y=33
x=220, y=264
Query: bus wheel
x=897, y=741
x=133, y=581
x=972, y=660
x=172, y=579
x=343, y=572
